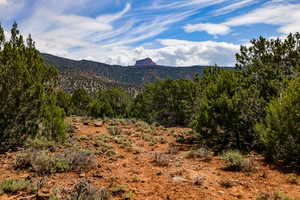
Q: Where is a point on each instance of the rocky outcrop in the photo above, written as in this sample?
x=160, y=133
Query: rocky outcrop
x=145, y=62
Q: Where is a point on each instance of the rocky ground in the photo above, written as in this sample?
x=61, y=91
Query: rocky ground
x=133, y=160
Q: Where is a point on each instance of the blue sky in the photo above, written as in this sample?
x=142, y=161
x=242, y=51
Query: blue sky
x=171, y=32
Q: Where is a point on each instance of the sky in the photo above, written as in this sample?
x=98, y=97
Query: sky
x=171, y=32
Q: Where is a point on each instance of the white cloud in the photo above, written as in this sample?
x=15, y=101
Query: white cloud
x=171, y=53
x=111, y=18
x=213, y=29
x=280, y=13
x=234, y=6
x=3, y=2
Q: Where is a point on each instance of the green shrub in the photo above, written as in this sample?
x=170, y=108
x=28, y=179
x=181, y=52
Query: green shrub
x=227, y=111
x=41, y=143
x=167, y=102
x=119, y=189
x=44, y=162
x=273, y=196
x=233, y=160
x=16, y=185
x=127, y=196
x=99, y=109
x=112, y=102
x=85, y=191
x=280, y=132
x=199, y=153
x=80, y=100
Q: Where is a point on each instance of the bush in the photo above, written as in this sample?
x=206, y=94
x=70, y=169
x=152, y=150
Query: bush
x=44, y=163
x=80, y=100
x=235, y=161
x=167, y=102
x=99, y=109
x=161, y=159
x=227, y=111
x=15, y=185
x=280, y=132
x=273, y=196
x=113, y=103
x=199, y=153
x=85, y=191
x=64, y=101
x=119, y=189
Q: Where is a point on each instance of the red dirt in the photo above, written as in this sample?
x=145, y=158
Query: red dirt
x=147, y=181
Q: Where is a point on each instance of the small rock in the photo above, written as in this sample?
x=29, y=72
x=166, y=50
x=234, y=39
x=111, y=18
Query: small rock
x=221, y=192
x=158, y=173
x=179, y=179
x=81, y=175
x=43, y=195
x=97, y=175
x=86, y=123
x=98, y=124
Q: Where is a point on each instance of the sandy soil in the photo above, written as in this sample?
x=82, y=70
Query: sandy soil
x=134, y=167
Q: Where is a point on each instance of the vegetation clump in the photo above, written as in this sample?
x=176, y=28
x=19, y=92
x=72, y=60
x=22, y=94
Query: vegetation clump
x=16, y=185
x=235, y=161
x=279, y=131
x=85, y=191
x=44, y=163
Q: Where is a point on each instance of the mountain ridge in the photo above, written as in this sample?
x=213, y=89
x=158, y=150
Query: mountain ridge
x=93, y=75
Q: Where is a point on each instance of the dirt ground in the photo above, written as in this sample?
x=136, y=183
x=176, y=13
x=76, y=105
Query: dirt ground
x=153, y=166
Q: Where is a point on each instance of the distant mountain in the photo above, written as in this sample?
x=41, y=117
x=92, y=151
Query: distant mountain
x=145, y=62
x=95, y=75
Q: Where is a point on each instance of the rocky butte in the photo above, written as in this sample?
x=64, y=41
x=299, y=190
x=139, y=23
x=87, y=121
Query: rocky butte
x=145, y=62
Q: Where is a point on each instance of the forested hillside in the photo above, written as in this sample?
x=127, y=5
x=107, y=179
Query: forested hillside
x=94, y=75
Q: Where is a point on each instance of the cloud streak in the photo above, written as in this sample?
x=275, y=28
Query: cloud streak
x=283, y=14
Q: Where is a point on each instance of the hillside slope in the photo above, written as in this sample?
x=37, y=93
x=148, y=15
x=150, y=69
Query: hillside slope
x=95, y=73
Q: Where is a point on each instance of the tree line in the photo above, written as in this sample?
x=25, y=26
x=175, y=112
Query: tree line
x=253, y=107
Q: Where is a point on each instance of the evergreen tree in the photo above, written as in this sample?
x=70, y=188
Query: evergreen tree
x=27, y=92
x=168, y=102
x=80, y=101
x=226, y=111
x=114, y=102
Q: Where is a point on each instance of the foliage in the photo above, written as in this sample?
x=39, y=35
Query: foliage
x=80, y=100
x=43, y=162
x=227, y=110
x=233, y=160
x=268, y=62
x=100, y=109
x=15, y=185
x=168, y=102
x=280, y=131
x=111, y=103
x=273, y=196
x=64, y=101
x=85, y=191
x=27, y=93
